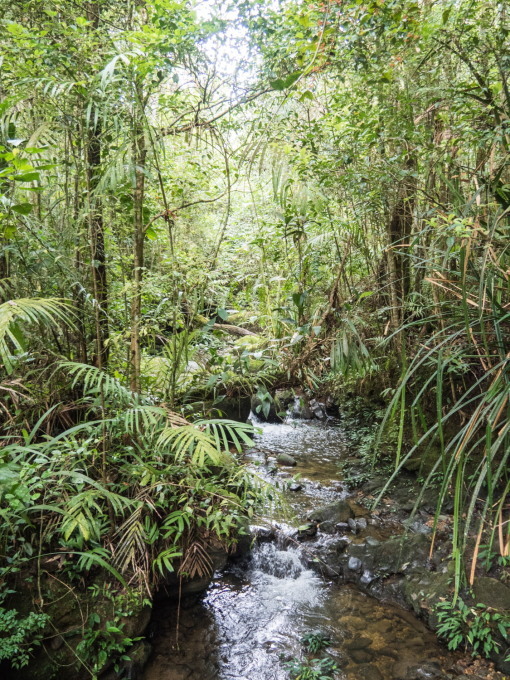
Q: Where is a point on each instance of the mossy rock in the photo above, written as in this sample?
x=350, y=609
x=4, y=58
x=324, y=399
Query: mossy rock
x=241, y=317
x=491, y=592
x=69, y=609
x=251, y=342
x=339, y=512
x=424, y=589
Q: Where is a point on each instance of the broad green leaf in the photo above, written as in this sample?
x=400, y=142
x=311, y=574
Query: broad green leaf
x=23, y=208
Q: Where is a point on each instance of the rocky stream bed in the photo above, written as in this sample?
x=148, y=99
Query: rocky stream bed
x=326, y=563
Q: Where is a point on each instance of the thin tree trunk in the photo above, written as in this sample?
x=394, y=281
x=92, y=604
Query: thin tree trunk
x=139, y=157
x=399, y=235
x=96, y=222
x=97, y=246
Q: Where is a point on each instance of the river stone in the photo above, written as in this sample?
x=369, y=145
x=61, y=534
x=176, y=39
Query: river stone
x=359, y=643
x=262, y=534
x=340, y=545
x=428, y=669
x=368, y=672
x=354, y=564
x=491, y=592
x=337, y=512
x=352, y=525
x=370, y=540
x=361, y=655
x=318, y=409
x=366, y=578
x=387, y=651
x=285, y=459
x=295, y=487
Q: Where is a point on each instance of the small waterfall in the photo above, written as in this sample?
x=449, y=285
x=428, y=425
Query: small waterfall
x=274, y=561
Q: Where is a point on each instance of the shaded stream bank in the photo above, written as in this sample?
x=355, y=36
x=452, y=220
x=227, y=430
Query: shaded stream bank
x=312, y=569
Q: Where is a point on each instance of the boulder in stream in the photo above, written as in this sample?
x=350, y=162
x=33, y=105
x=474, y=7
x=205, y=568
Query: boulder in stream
x=338, y=512
x=285, y=459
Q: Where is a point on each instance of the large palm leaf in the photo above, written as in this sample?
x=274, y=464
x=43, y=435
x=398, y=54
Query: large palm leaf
x=49, y=312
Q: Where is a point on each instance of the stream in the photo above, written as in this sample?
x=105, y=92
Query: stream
x=249, y=623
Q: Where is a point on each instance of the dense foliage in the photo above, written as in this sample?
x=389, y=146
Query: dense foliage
x=199, y=203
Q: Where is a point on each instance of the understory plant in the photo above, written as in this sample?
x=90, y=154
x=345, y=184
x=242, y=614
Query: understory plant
x=314, y=669
x=477, y=628
x=310, y=667
x=452, y=399
x=133, y=493
x=19, y=635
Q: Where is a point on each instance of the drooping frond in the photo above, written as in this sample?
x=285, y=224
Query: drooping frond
x=190, y=443
x=228, y=432
x=206, y=441
x=46, y=311
x=95, y=381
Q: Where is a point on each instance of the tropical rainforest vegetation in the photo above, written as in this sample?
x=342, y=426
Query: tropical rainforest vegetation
x=204, y=201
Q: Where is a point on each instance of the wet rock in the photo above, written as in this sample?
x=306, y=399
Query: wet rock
x=428, y=669
x=370, y=540
x=368, y=672
x=307, y=531
x=318, y=409
x=358, y=510
x=418, y=527
x=354, y=564
x=301, y=409
x=366, y=578
x=235, y=408
x=284, y=398
x=263, y=534
x=394, y=556
x=361, y=655
x=340, y=511
x=388, y=651
x=359, y=643
x=295, y=487
x=374, y=484
x=56, y=657
x=285, y=459
x=327, y=527
x=340, y=545
x=342, y=527
x=357, y=525
x=422, y=588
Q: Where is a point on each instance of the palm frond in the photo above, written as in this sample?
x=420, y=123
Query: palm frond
x=46, y=311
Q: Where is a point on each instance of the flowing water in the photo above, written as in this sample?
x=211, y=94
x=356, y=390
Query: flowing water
x=249, y=623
